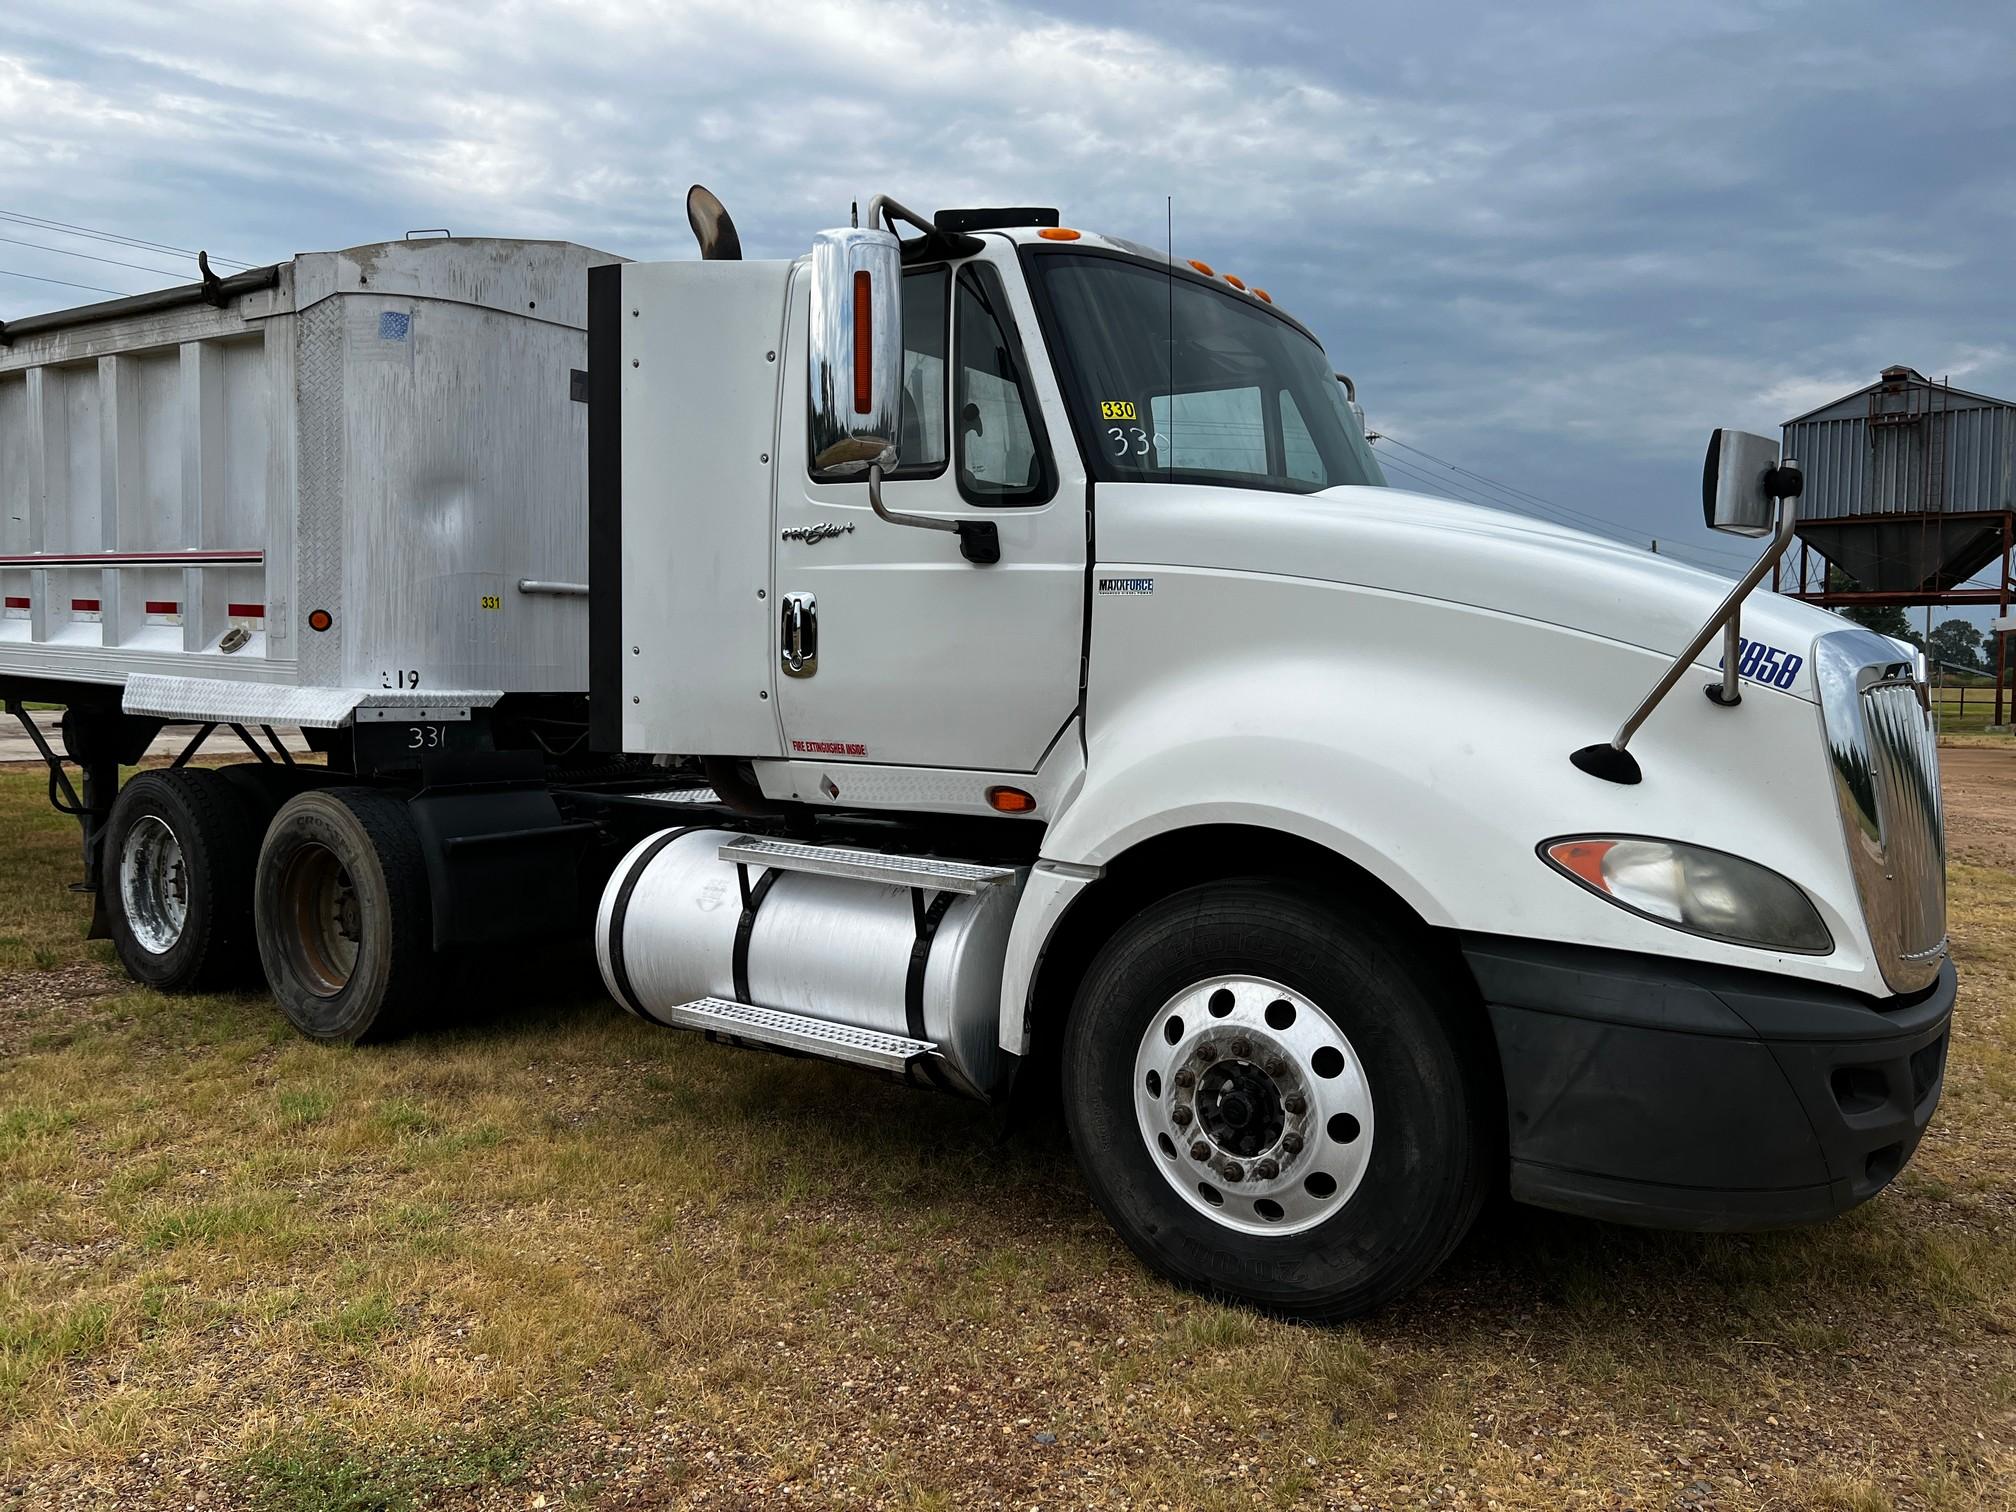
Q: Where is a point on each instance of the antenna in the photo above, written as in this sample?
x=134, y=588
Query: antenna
x=1169, y=272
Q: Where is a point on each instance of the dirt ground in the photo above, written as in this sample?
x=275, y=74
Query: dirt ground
x=1979, y=783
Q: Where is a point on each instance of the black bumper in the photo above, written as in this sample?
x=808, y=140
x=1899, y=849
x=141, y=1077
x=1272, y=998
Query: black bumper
x=1647, y=1090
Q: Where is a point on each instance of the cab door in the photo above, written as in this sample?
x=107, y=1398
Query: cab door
x=917, y=656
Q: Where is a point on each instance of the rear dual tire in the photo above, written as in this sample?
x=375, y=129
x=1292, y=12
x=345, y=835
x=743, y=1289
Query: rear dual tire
x=1275, y=1101
x=179, y=854
x=341, y=906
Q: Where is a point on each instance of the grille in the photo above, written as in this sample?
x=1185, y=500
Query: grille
x=1886, y=768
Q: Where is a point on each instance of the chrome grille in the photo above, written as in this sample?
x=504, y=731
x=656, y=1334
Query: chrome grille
x=1886, y=776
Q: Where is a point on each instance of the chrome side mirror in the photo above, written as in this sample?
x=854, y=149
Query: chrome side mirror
x=1742, y=481
x=855, y=352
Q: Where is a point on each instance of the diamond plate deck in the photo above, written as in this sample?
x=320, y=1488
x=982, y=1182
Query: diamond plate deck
x=869, y=866
x=797, y=1031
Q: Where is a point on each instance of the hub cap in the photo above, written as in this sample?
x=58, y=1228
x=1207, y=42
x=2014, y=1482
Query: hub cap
x=318, y=896
x=154, y=885
x=1254, y=1105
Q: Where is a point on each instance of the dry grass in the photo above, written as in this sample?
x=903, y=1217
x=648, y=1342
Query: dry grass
x=545, y=1252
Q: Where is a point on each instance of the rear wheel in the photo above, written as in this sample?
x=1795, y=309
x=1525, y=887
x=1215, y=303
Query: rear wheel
x=179, y=852
x=341, y=905
x=1272, y=1103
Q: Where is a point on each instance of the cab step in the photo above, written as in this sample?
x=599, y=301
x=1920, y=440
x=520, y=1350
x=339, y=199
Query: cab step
x=797, y=1031
x=868, y=866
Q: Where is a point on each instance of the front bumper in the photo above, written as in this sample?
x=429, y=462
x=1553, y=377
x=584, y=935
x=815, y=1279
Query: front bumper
x=1643, y=1089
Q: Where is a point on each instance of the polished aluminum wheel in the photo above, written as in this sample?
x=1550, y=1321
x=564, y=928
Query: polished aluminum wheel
x=1254, y=1105
x=154, y=885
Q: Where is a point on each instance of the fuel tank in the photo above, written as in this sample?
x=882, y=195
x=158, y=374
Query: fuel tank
x=676, y=925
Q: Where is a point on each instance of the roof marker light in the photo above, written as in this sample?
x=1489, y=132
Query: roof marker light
x=1057, y=233
x=1262, y=295
x=1203, y=267
x=1235, y=280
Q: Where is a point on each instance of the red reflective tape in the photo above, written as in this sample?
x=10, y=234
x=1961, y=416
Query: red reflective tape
x=16, y=603
x=79, y=604
x=245, y=611
x=864, y=344
x=163, y=606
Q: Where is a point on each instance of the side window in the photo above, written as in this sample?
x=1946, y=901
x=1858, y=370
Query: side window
x=1211, y=430
x=1001, y=453
x=920, y=438
x=1299, y=456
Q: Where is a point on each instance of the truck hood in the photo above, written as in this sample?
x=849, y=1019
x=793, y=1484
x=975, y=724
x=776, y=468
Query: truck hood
x=1399, y=542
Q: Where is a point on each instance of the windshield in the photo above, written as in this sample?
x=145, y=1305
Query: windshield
x=1177, y=380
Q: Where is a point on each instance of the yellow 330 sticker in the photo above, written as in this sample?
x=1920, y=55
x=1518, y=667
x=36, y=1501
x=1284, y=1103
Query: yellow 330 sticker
x=1117, y=409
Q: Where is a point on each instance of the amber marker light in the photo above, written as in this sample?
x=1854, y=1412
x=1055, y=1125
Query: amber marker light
x=1203, y=267
x=1057, y=233
x=1584, y=859
x=1235, y=280
x=1010, y=800
x=320, y=619
x=1263, y=296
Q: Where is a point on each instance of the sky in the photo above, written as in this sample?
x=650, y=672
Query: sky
x=1555, y=244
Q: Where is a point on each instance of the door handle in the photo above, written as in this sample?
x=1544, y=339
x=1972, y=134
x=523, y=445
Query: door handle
x=798, y=644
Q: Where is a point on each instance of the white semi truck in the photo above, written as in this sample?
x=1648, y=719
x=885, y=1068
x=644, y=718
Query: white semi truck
x=982, y=654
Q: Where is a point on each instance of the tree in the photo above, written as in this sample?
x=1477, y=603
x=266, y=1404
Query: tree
x=1957, y=645
x=1888, y=620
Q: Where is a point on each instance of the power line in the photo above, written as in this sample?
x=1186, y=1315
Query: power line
x=1560, y=512
x=14, y=241
x=1474, y=494
x=115, y=237
x=66, y=283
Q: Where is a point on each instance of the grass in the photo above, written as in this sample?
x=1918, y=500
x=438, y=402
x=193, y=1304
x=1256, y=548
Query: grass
x=544, y=1252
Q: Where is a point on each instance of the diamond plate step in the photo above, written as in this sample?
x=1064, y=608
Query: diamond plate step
x=680, y=795
x=869, y=866
x=797, y=1031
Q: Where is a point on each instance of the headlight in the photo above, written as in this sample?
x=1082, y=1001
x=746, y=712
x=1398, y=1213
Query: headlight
x=1691, y=887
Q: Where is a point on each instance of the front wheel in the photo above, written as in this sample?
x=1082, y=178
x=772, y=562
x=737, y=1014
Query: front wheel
x=1272, y=1103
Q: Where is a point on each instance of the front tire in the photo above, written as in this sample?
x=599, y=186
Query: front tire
x=342, y=908
x=1273, y=1103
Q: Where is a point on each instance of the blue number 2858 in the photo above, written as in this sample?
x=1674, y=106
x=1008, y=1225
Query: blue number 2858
x=1767, y=664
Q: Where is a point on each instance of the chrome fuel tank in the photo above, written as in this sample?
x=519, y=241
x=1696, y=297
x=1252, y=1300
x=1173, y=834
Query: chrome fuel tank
x=673, y=927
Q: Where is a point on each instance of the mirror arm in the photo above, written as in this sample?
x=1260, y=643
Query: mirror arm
x=979, y=540
x=882, y=208
x=1612, y=762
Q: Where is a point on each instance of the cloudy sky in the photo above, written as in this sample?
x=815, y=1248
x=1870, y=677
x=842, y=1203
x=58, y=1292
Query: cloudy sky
x=1555, y=243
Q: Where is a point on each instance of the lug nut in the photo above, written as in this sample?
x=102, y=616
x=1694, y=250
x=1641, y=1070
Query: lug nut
x=1295, y=1102
x=1232, y=1172
x=1292, y=1143
x=1275, y=1066
x=1200, y=1151
x=1242, y=1047
x=1186, y=1077
x=1265, y=1170
x=1180, y=1116
x=1207, y=1052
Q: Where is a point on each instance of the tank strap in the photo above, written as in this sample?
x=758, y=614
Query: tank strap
x=929, y=917
x=752, y=899
x=625, y=993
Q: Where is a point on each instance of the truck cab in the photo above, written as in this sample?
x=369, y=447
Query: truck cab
x=1016, y=546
